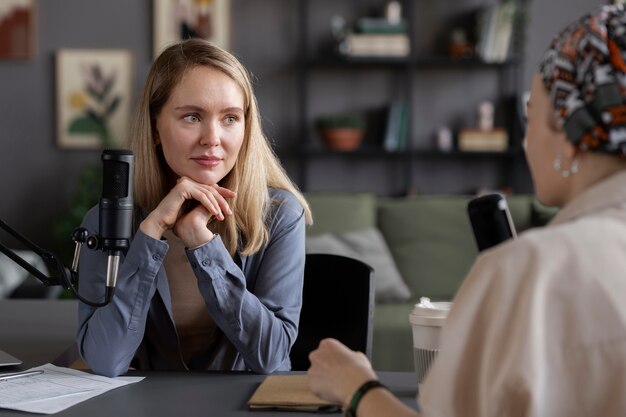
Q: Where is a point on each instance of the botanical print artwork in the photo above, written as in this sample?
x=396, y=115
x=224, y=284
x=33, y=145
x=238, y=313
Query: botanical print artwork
x=17, y=20
x=175, y=20
x=93, y=98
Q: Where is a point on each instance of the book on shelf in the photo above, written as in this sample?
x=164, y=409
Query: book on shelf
x=376, y=45
x=396, y=128
x=379, y=25
x=496, y=25
x=485, y=26
x=478, y=140
x=403, y=132
x=504, y=30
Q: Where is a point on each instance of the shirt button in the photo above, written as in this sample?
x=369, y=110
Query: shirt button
x=156, y=257
x=205, y=263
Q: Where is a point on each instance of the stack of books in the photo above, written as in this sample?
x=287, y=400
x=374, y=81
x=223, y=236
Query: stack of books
x=478, y=140
x=377, y=37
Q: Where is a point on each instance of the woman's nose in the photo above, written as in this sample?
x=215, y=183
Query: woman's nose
x=209, y=135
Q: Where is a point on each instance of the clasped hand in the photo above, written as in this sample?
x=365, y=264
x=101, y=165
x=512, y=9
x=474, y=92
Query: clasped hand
x=187, y=209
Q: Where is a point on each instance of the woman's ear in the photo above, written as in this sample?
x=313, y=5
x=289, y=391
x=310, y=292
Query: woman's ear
x=565, y=147
x=562, y=145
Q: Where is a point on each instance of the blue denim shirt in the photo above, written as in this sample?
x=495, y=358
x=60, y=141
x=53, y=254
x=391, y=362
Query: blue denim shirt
x=255, y=301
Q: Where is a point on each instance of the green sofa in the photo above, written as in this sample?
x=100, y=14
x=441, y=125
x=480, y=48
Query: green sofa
x=430, y=240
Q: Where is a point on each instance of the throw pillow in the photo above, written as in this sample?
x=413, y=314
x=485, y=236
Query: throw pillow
x=341, y=212
x=369, y=246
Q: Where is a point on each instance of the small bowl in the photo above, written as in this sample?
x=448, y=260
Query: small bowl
x=342, y=138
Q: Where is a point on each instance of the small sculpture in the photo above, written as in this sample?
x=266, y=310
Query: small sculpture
x=444, y=139
x=485, y=116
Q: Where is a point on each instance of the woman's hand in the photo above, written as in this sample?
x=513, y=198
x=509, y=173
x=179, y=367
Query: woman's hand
x=187, y=209
x=336, y=372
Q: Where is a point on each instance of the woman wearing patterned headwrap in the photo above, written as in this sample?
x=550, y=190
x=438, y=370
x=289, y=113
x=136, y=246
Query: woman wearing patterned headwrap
x=538, y=327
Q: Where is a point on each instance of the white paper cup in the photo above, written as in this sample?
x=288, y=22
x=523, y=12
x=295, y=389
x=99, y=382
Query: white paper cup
x=426, y=320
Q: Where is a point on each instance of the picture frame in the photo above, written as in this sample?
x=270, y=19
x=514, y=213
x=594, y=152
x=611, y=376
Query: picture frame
x=18, y=20
x=93, y=94
x=175, y=20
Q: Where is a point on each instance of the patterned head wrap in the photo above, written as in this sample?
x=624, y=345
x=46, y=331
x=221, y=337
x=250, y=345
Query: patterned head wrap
x=584, y=72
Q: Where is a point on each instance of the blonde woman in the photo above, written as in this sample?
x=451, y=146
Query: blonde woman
x=213, y=276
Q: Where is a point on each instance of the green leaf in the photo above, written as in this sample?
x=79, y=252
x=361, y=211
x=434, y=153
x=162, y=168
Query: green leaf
x=85, y=125
x=96, y=118
x=111, y=108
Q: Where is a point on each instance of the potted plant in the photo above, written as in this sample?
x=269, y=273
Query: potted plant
x=342, y=132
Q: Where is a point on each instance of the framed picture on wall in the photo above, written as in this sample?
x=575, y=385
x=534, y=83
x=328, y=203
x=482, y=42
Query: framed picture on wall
x=175, y=20
x=93, y=97
x=17, y=29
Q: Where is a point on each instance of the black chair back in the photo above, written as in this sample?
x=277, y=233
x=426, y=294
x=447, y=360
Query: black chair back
x=337, y=302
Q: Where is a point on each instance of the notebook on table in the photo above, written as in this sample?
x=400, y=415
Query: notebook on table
x=8, y=360
x=288, y=393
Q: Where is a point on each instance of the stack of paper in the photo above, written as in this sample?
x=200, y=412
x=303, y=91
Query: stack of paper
x=55, y=389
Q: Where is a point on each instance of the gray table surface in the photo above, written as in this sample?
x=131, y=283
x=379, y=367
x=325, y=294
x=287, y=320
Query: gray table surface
x=38, y=331
x=199, y=394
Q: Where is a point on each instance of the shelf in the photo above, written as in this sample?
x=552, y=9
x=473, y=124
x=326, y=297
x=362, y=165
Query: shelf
x=376, y=152
x=351, y=62
x=402, y=63
x=362, y=152
x=415, y=80
x=446, y=62
x=464, y=154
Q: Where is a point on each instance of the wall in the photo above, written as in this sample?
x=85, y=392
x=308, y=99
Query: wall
x=37, y=179
x=546, y=18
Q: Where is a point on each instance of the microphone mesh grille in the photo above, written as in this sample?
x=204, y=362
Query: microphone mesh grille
x=115, y=179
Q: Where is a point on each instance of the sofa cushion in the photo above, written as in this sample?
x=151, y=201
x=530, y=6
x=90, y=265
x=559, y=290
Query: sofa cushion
x=540, y=214
x=431, y=241
x=392, y=342
x=369, y=246
x=341, y=212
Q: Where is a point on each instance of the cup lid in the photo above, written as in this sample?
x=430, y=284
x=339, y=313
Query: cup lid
x=427, y=308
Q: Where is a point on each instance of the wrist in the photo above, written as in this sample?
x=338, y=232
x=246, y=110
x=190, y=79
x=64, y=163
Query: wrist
x=195, y=244
x=152, y=229
x=350, y=407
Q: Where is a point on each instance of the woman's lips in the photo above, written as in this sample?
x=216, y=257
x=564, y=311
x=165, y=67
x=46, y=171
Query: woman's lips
x=207, y=161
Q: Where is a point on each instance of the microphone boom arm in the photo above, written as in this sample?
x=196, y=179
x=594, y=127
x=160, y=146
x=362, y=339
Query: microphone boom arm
x=68, y=277
x=116, y=209
x=47, y=257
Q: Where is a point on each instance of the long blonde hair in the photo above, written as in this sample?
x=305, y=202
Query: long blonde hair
x=257, y=167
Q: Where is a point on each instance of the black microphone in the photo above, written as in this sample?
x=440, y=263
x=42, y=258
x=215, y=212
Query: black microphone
x=491, y=220
x=116, y=208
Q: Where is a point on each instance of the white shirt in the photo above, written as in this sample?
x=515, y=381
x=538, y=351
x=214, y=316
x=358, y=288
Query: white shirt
x=538, y=327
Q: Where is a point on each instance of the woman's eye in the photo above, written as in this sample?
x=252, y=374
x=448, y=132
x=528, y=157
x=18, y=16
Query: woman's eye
x=231, y=119
x=191, y=118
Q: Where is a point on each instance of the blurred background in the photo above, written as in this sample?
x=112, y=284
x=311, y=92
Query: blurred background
x=303, y=73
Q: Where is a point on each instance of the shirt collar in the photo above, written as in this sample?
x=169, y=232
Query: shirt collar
x=610, y=192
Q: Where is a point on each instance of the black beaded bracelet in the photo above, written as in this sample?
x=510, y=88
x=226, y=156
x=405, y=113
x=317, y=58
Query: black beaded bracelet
x=350, y=411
